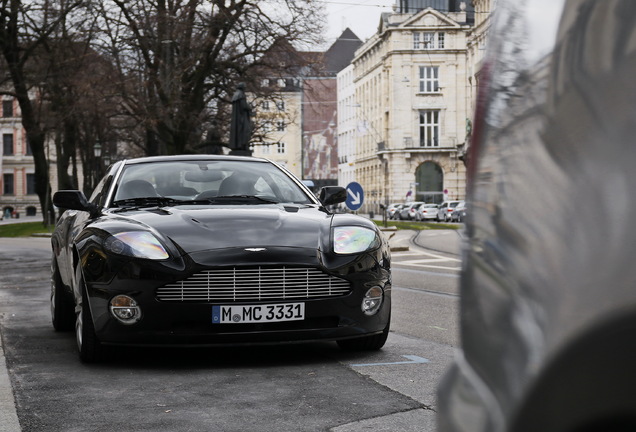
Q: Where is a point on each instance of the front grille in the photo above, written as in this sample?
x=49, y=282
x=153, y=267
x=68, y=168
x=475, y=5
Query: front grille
x=254, y=284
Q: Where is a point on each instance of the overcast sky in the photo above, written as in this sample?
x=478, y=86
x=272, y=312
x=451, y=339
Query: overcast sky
x=361, y=16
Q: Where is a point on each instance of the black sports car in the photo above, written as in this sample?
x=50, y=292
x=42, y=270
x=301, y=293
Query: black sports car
x=213, y=250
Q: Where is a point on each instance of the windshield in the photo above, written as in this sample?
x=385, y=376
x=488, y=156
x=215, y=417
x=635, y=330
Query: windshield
x=206, y=182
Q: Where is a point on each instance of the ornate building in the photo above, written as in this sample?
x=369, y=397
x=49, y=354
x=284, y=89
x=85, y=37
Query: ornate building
x=17, y=185
x=413, y=104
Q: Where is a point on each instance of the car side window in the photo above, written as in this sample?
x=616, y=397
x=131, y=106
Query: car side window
x=100, y=193
x=98, y=196
x=284, y=191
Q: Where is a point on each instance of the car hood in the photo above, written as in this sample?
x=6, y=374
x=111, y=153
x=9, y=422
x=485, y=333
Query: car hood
x=197, y=228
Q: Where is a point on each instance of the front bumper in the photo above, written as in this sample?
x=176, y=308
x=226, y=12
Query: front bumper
x=190, y=323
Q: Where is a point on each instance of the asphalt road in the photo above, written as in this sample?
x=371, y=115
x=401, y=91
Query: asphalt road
x=310, y=387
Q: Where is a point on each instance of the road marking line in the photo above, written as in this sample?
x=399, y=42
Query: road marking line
x=413, y=360
x=428, y=254
x=428, y=260
x=405, y=254
x=415, y=264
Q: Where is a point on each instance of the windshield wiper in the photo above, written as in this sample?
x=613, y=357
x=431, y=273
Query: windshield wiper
x=241, y=199
x=157, y=201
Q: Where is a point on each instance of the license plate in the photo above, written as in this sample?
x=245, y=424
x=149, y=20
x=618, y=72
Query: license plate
x=238, y=314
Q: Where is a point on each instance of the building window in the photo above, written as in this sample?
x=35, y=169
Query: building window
x=280, y=125
x=428, y=40
x=265, y=105
x=265, y=149
x=429, y=128
x=265, y=82
x=440, y=40
x=7, y=184
x=7, y=108
x=281, y=82
x=30, y=184
x=429, y=79
x=7, y=144
x=29, y=152
x=280, y=105
x=280, y=148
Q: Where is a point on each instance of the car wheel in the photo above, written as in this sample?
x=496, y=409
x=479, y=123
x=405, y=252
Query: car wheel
x=62, y=315
x=89, y=347
x=366, y=343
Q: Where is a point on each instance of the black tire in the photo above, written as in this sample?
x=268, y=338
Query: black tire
x=366, y=343
x=62, y=304
x=89, y=347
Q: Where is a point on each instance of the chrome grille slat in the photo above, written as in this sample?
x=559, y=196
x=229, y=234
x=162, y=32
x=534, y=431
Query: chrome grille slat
x=254, y=284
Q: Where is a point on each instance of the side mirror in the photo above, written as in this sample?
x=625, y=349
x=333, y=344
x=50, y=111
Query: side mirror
x=330, y=195
x=74, y=200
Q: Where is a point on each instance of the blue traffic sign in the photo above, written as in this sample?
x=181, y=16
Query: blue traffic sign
x=355, y=196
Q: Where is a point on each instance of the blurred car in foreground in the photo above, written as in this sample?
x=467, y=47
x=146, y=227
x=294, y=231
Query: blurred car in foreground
x=427, y=212
x=207, y=250
x=548, y=284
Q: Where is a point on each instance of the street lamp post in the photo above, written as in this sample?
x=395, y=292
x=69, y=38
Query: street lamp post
x=97, y=152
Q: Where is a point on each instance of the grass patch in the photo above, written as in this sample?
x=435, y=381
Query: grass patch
x=414, y=225
x=24, y=229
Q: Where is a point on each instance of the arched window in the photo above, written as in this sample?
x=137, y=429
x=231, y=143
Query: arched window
x=430, y=179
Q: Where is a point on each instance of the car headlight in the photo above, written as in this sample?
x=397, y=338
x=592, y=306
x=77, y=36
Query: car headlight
x=138, y=244
x=351, y=239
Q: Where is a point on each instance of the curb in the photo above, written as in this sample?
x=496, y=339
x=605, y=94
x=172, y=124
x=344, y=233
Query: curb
x=8, y=416
x=390, y=233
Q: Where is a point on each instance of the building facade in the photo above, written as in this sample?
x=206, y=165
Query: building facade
x=413, y=107
x=347, y=126
x=279, y=118
x=17, y=184
x=296, y=120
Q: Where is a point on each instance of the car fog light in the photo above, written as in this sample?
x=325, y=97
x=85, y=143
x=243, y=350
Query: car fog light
x=372, y=301
x=125, y=309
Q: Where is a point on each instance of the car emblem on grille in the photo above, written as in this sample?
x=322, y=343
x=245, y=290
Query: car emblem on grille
x=255, y=249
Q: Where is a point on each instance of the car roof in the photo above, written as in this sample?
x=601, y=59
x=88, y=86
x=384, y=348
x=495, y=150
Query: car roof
x=193, y=157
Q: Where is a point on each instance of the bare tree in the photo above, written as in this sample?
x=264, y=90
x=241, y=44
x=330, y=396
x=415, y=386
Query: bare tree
x=24, y=27
x=180, y=60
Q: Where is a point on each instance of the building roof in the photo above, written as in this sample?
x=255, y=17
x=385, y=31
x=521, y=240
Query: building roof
x=341, y=52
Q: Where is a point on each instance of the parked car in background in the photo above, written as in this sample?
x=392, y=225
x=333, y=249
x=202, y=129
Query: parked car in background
x=215, y=250
x=408, y=211
x=548, y=282
x=392, y=209
x=459, y=212
x=427, y=212
x=445, y=209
